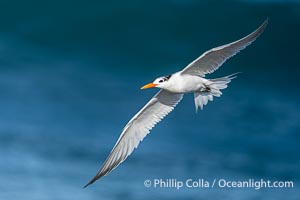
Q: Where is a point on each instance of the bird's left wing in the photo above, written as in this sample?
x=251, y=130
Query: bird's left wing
x=211, y=60
x=137, y=128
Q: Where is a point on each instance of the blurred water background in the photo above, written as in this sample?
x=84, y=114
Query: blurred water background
x=70, y=73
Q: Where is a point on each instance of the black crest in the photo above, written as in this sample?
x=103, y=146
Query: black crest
x=165, y=78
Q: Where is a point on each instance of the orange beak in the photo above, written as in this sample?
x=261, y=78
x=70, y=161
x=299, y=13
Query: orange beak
x=150, y=85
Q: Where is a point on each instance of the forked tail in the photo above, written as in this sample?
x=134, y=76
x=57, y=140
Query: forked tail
x=213, y=88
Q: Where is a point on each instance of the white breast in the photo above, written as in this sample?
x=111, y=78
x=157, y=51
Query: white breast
x=186, y=83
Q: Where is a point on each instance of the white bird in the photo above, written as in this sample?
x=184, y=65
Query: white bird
x=173, y=87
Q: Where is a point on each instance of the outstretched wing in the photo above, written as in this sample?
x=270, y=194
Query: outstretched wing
x=137, y=128
x=211, y=60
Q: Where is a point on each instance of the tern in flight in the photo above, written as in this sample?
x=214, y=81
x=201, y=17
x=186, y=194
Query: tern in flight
x=172, y=88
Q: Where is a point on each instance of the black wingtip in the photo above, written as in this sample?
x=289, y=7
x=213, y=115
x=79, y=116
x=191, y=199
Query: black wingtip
x=89, y=183
x=263, y=26
x=86, y=185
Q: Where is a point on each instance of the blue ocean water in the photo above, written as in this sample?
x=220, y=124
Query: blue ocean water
x=70, y=73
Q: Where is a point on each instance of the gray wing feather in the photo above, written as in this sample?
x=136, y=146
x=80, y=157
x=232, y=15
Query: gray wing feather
x=137, y=128
x=211, y=60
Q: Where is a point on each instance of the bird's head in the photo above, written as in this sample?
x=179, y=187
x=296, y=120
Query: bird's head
x=161, y=82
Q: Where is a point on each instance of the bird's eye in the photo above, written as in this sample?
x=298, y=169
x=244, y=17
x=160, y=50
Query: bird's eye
x=160, y=81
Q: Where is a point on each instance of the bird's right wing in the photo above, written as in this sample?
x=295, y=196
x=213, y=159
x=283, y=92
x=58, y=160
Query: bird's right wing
x=137, y=128
x=211, y=60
